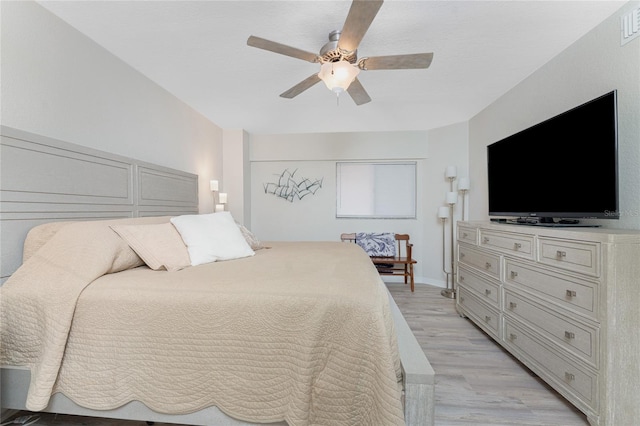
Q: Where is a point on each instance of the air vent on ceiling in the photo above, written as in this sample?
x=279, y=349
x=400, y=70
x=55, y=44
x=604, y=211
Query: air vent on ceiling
x=630, y=26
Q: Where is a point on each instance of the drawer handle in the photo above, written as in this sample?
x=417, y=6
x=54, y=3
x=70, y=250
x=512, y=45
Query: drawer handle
x=487, y=318
x=569, y=377
x=571, y=293
x=569, y=335
x=512, y=336
x=560, y=254
x=513, y=274
x=487, y=291
x=461, y=278
x=513, y=305
x=517, y=246
x=465, y=235
x=486, y=240
x=461, y=255
x=487, y=265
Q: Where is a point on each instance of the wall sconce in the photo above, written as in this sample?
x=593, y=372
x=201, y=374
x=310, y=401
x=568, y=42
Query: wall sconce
x=222, y=196
x=222, y=201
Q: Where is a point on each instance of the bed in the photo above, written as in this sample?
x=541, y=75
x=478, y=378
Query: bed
x=290, y=333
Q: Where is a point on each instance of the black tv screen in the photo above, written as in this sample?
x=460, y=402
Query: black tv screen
x=564, y=167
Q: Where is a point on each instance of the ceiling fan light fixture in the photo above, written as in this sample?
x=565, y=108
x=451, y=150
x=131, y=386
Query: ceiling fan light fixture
x=339, y=57
x=337, y=76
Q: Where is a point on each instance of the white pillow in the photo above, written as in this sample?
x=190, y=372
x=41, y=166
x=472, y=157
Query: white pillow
x=211, y=237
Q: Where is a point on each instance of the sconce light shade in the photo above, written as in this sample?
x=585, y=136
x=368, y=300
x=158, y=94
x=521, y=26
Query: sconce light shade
x=463, y=184
x=451, y=172
x=452, y=197
x=214, y=185
x=443, y=212
x=223, y=197
x=337, y=76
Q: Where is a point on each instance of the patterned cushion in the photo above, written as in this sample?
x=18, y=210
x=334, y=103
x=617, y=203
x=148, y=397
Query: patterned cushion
x=378, y=244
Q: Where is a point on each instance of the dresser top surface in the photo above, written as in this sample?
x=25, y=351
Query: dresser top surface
x=611, y=235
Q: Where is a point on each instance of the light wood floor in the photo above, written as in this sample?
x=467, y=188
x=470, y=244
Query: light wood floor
x=477, y=383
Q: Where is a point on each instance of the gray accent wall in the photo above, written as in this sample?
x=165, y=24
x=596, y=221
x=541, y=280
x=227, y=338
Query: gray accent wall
x=46, y=180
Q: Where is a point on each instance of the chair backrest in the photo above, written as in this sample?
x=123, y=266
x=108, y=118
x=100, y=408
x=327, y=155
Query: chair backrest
x=351, y=238
x=403, y=240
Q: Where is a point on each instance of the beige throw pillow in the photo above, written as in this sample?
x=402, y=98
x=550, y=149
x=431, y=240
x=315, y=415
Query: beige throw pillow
x=251, y=239
x=159, y=245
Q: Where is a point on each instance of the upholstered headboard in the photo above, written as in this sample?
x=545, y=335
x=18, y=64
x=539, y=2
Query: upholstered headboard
x=45, y=180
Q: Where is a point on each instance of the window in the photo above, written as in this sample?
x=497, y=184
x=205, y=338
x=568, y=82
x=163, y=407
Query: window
x=376, y=190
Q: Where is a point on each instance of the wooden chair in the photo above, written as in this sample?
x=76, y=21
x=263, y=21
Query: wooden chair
x=399, y=265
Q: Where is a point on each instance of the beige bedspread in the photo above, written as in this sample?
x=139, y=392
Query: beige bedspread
x=300, y=332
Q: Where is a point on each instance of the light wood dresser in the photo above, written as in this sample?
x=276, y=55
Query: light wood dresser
x=565, y=302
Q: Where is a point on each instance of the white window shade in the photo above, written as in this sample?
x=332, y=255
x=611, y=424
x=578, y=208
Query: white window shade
x=376, y=190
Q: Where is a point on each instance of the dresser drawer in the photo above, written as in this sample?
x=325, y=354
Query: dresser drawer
x=468, y=235
x=487, y=318
x=570, y=293
x=481, y=287
x=485, y=262
x=578, y=338
x=577, y=256
x=520, y=245
x=578, y=384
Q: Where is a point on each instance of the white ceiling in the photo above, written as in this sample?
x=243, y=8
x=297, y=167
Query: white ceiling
x=197, y=51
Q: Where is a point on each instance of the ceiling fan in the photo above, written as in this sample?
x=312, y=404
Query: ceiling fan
x=339, y=61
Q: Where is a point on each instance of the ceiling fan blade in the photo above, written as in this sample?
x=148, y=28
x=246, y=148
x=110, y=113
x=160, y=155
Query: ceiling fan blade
x=282, y=49
x=358, y=20
x=397, y=62
x=301, y=87
x=357, y=92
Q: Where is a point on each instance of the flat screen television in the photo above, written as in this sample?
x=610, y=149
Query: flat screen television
x=560, y=170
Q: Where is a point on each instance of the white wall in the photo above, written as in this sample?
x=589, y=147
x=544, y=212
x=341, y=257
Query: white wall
x=593, y=66
x=314, y=157
x=448, y=146
x=58, y=83
x=236, y=176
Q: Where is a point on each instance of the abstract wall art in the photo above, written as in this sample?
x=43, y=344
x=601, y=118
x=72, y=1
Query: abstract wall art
x=291, y=187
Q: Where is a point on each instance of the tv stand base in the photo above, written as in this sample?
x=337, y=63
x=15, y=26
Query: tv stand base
x=549, y=222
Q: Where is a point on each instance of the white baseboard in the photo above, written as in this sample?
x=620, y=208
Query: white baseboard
x=417, y=280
